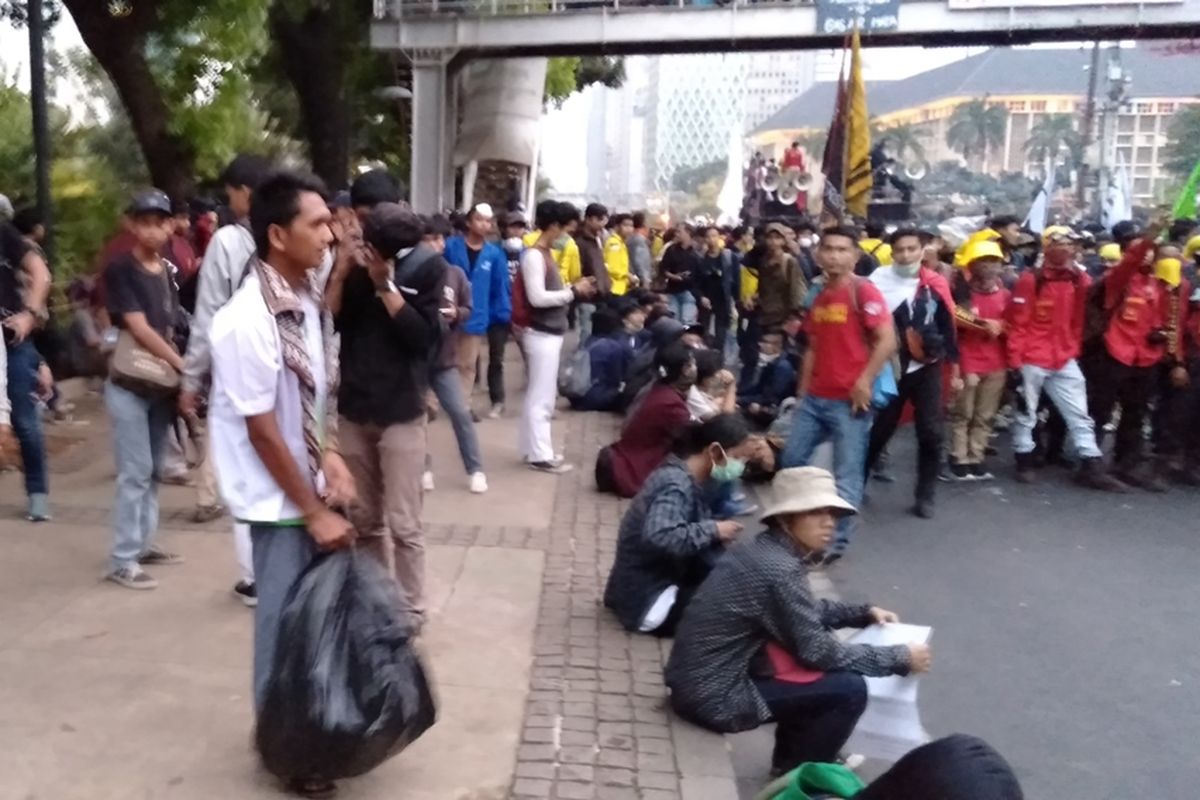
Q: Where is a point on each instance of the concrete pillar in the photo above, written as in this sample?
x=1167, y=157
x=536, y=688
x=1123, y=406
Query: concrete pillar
x=431, y=142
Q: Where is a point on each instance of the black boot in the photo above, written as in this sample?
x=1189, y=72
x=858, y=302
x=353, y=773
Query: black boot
x=1026, y=467
x=1093, y=475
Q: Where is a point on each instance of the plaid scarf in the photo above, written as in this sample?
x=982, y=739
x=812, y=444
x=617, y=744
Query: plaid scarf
x=284, y=305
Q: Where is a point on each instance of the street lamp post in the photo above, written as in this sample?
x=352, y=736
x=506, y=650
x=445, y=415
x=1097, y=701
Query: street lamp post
x=41, y=128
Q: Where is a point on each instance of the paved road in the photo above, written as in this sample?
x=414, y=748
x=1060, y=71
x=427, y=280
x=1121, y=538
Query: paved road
x=1064, y=625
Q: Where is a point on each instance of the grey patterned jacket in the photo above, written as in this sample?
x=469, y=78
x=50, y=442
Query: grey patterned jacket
x=667, y=525
x=759, y=592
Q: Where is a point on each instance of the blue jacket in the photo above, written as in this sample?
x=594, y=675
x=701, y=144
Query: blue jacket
x=610, y=357
x=491, y=292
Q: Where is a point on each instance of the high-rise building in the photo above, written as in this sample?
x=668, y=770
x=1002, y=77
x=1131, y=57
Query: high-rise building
x=692, y=103
x=772, y=80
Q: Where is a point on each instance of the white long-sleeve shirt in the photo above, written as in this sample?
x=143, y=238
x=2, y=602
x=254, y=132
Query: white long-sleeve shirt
x=225, y=262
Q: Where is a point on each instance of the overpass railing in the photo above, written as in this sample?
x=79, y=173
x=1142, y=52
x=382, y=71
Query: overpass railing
x=400, y=9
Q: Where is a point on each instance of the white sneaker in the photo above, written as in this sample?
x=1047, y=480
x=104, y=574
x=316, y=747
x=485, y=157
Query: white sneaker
x=497, y=411
x=478, y=483
x=427, y=481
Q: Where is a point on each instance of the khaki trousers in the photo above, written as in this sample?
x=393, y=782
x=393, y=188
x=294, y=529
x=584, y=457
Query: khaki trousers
x=468, y=348
x=387, y=463
x=972, y=416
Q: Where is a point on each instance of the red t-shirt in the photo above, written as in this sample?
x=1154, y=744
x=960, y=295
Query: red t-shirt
x=837, y=333
x=793, y=158
x=647, y=437
x=978, y=352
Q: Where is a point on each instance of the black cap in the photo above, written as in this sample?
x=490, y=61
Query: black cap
x=341, y=199
x=151, y=201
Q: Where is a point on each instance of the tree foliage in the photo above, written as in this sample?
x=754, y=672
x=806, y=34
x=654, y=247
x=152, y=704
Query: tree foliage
x=1182, y=152
x=975, y=128
x=566, y=75
x=690, y=179
x=1054, y=136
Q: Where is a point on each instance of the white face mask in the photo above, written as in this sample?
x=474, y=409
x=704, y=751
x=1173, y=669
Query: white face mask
x=513, y=244
x=767, y=358
x=907, y=270
x=806, y=241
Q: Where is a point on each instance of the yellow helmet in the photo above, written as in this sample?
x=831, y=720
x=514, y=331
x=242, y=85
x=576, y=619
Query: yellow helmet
x=1110, y=252
x=1168, y=270
x=1192, y=247
x=1057, y=232
x=985, y=248
x=985, y=235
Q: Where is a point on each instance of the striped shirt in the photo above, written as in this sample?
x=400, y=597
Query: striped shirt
x=759, y=592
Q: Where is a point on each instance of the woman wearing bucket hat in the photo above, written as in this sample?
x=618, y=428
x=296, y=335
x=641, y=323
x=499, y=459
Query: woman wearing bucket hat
x=755, y=646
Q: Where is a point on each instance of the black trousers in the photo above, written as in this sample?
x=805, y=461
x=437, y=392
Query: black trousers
x=813, y=719
x=1177, y=417
x=497, y=342
x=924, y=389
x=748, y=334
x=1110, y=382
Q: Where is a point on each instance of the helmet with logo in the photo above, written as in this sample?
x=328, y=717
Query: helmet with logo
x=1058, y=234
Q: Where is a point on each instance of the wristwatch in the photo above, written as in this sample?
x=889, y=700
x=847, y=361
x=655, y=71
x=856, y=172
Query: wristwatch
x=388, y=288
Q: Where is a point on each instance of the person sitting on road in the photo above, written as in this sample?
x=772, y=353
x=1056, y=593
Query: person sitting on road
x=652, y=425
x=610, y=351
x=668, y=540
x=768, y=382
x=754, y=645
x=715, y=389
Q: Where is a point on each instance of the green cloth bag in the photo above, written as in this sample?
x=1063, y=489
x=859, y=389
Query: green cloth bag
x=813, y=779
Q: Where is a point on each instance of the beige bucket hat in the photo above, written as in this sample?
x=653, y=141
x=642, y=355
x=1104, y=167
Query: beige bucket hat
x=796, y=490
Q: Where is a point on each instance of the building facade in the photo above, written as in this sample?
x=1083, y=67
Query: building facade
x=1030, y=84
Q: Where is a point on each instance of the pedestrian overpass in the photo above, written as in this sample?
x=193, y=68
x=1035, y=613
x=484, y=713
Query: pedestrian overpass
x=437, y=37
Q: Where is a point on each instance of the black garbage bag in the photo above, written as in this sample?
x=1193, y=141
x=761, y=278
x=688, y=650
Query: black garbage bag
x=347, y=690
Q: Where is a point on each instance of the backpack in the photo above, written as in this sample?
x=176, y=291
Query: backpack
x=885, y=389
x=575, y=377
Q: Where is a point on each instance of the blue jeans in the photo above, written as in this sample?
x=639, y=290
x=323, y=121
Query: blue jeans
x=139, y=427
x=447, y=386
x=583, y=315
x=818, y=420
x=683, y=306
x=281, y=554
x=23, y=360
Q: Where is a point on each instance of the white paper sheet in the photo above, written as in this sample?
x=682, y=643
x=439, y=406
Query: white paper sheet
x=891, y=725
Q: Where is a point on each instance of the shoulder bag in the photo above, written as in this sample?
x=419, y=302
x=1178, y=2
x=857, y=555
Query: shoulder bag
x=135, y=368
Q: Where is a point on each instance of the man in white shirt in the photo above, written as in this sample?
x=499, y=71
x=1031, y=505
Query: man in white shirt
x=920, y=302
x=274, y=409
x=225, y=262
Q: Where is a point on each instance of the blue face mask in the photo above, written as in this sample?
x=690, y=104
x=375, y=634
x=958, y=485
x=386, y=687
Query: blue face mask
x=730, y=471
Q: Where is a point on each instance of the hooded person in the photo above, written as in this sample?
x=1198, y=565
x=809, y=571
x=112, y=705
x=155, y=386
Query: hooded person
x=957, y=767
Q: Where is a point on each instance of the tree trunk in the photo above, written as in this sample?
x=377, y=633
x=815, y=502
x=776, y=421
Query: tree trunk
x=118, y=44
x=313, y=59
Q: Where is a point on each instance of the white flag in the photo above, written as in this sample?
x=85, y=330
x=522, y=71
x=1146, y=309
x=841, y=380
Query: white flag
x=1036, y=221
x=1118, y=205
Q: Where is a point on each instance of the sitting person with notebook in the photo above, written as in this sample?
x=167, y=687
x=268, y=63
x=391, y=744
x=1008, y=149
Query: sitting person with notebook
x=755, y=646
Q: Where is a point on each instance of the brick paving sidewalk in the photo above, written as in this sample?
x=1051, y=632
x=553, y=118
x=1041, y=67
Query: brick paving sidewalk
x=596, y=721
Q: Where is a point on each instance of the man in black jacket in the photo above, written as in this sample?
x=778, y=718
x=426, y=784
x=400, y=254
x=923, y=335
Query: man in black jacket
x=388, y=315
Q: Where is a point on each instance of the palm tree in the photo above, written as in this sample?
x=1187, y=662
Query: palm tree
x=975, y=128
x=1053, y=135
x=906, y=142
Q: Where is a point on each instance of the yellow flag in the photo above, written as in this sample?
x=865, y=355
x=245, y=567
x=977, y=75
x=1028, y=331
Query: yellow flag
x=858, y=137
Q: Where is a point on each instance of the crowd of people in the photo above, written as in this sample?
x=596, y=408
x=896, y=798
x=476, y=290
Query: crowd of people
x=304, y=345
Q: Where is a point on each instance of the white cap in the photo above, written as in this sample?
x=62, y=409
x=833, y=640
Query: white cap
x=6, y=208
x=484, y=210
